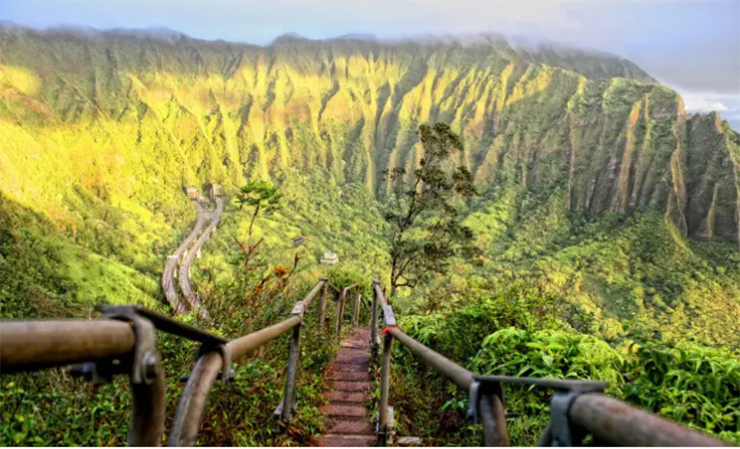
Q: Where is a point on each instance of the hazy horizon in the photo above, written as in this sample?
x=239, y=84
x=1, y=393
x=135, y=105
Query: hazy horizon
x=690, y=46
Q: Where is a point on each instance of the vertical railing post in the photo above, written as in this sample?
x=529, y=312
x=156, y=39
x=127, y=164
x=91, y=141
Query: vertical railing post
x=340, y=312
x=493, y=418
x=385, y=379
x=374, y=321
x=345, y=296
x=294, y=360
x=356, y=311
x=322, y=305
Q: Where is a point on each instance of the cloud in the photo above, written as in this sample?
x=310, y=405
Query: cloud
x=691, y=44
x=727, y=104
x=697, y=104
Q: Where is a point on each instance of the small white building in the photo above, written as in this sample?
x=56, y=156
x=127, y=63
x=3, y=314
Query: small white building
x=329, y=258
x=217, y=191
x=192, y=192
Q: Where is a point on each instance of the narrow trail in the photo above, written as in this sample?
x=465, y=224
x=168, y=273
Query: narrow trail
x=348, y=391
x=190, y=295
x=168, y=285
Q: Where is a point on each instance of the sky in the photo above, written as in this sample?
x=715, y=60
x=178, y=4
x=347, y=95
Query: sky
x=692, y=46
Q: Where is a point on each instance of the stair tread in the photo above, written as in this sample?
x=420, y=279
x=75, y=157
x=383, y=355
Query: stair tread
x=344, y=411
x=347, y=389
x=349, y=427
x=348, y=376
x=349, y=367
x=340, y=440
x=347, y=397
x=353, y=359
x=340, y=385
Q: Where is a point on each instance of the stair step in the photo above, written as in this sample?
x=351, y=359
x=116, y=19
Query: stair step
x=352, y=359
x=356, y=344
x=348, y=412
x=338, y=385
x=348, y=387
x=338, y=440
x=349, y=367
x=348, y=397
x=351, y=352
x=350, y=376
x=348, y=427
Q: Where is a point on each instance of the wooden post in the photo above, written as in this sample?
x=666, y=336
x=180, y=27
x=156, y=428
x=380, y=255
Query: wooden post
x=322, y=305
x=385, y=380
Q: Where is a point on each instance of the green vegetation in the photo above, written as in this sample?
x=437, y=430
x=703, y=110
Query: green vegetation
x=425, y=227
x=51, y=409
x=605, y=225
x=518, y=332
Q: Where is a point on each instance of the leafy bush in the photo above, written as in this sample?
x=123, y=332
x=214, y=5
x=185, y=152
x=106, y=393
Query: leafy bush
x=686, y=382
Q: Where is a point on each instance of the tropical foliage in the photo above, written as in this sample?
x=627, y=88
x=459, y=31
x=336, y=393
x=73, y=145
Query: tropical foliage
x=604, y=225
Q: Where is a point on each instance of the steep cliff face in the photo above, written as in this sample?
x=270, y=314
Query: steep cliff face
x=133, y=118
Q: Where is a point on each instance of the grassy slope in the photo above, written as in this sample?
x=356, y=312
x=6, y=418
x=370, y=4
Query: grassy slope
x=590, y=183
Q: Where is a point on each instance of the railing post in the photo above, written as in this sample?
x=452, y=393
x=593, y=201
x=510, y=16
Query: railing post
x=385, y=379
x=493, y=418
x=293, y=365
x=374, y=321
x=294, y=360
x=322, y=305
x=356, y=311
x=340, y=312
x=147, y=417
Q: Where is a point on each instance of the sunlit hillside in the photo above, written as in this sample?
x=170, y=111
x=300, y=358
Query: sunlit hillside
x=100, y=132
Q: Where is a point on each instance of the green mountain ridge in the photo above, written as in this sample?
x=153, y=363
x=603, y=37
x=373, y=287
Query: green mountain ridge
x=226, y=112
x=607, y=220
x=100, y=131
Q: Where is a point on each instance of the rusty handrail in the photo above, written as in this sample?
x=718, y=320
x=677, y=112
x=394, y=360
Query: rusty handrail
x=332, y=286
x=127, y=334
x=189, y=412
x=322, y=305
x=190, y=409
x=577, y=403
x=34, y=345
x=451, y=370
x=615, y=422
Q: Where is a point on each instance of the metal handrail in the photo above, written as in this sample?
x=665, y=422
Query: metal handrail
x=124, y=343
x=615, y=422
x=575, y=404
x=35, y=345
x=189, y=412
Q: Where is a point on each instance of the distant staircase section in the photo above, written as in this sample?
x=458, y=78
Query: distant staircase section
x=168, y=285
x=348, y=390
x=191, y=296
x=188, y=249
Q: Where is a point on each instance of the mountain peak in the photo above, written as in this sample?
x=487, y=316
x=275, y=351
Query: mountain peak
x=289, y=38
